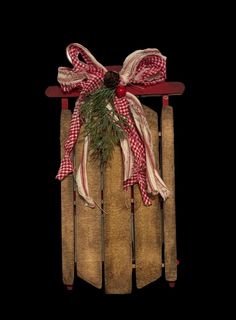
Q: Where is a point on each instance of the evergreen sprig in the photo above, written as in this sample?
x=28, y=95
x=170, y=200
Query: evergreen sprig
x=104, y=126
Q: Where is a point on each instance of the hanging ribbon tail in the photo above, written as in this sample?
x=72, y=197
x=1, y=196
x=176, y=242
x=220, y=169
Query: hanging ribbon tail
x=86, y=76
x=145, y=67
x=65, y=168
x=155, y=184
x=128, y=159
x=82, y=178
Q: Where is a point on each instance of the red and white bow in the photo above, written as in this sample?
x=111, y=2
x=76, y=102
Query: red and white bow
x=145, y=67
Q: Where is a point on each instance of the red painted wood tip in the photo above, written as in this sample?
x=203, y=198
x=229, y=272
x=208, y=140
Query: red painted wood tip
x=177, y=262
x=69, y=287
x=165, y=101
x=171, y=284
x=64, y=103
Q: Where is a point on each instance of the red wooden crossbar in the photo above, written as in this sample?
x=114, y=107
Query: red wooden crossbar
x=160, y=89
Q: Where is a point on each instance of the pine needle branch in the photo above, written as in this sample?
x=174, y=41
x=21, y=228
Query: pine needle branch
x=104, y=126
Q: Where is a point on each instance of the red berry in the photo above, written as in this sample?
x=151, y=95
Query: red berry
x=120, y=91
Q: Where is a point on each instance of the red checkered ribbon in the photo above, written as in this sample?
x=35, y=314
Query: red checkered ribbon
x=145, y=67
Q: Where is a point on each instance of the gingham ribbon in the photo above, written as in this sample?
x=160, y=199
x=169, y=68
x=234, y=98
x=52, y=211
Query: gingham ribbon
x=145, y=67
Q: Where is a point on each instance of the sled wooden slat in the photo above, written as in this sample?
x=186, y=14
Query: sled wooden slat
x=117, y=229
x=88, y=224
x=148, y=241
x=67, y=210
x=168, y=174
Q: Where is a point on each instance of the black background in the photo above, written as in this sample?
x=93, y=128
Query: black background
x=110, y=38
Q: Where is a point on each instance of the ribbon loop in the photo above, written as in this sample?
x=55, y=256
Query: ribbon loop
x=91, y=65
x=77, y=77
x=146, y=67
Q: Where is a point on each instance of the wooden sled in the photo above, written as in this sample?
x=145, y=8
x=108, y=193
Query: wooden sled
x=130, y=236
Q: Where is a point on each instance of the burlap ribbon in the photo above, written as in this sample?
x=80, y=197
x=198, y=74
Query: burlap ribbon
x=144, y=67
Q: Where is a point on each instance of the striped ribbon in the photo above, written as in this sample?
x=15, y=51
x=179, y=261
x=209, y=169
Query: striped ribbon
x=144, y=67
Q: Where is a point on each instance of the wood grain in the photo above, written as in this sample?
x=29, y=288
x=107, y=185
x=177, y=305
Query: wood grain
x=117, y=229
x=67, y=210
x=88, y=225
x=168, y=173
x=148, y=240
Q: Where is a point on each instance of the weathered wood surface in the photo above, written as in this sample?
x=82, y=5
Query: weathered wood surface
x=67, y=210
x=168, y=173
x=148, y=239
x=88, y=224
x=117, y=229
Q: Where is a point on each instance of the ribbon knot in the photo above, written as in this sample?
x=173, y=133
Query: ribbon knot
x=144, y=67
